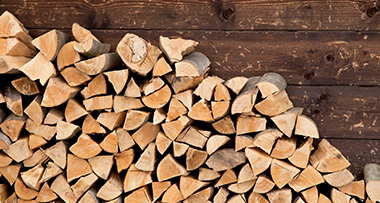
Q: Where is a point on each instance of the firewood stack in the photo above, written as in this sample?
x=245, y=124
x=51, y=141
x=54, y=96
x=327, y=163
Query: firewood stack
x=147, y=124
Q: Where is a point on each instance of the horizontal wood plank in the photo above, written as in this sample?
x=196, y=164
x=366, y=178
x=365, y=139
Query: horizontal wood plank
x=197, y=14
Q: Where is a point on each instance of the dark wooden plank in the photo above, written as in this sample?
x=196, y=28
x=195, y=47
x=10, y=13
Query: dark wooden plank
x=303, y=58
x=197, y=14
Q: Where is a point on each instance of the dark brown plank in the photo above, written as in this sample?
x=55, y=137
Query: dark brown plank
x=197, y=14
x=308, y=58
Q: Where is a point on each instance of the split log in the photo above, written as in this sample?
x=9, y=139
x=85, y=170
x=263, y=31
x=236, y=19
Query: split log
x=284, y=148
x=172, y=195
x=263, y=184
x=89, y=196
x=306, y=127
x=111, y=189
x=241, y=188
x=12, y=127
x=57, y=92
x=15, y=47
x=201, y=196
x=309, y=177
x=340, y=178
x=282, y=195
x=118, y=79
x=271, y=83
x=58, y=153
x=186, y=98
x=327, y=158
x=355, y=188
x=76, y=168
x=101, y=165
x=92, y=48
x=146, y=134
x=310, y=195
x=147, y=159
x=246, y=174
x=12, y=27
x=137, y=54
x=221, y=93
x=259, y=160
x=132, y=90
x=158, y=99
x=152, y=85
x=44, y=131
x=135, y=119
x=206, y=174
x=97, y=86
x=5, y=141
x=159, y=115
x=19, y=150
x=67, y=55
x=5, y=194
x=372, y=180
x=51, y=171
x=50, y=43
x=23, y=192
x=136, y=178
x=111, y=120
x=124, y=139
x=141, y=195
x=11, y=172
x=12, y=64
x=220, y=109
x=206, y=88
x=62, y=188
x=339, y=197
x=201, y=111
x=98, y=103
x=195, y=158
x=39, y=68
x=161, y=68
x=162, y=142
x=25, y=86
x=193, y=137
x=13, y=100
x=323, y=199
x=180, y=84
x=99, y=64
x=249, y=124
x=4, y=160
x=243, y=141
x=66, y=130
x=74, y=110
x=122, y=103
x=173, y=129
x=255, y=197
x=282, y=172
x=46, y=194
x=176, y=48
x=32, y=177
x=91, y=126
x=287, y=120
x=169, y=168
x=193, y=65
x=159, y=188
x=35, y=111
x=237, y=199
x=124, y=159
x=85, y=147
x=225, y=159
x=215, y=142
x=81, y=34
x=38, y=157
x=274, y=104
x=300, y=157
x=189, y=185
x=225, y=126
x=179, y=149
x=109, y=143
x=266, y=139
x=176, y=109
x=246, y=99
x=74, y=77
x=221, y=196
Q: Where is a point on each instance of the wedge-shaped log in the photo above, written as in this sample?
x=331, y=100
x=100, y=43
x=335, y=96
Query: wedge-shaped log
x=192, y=65
x=206, y=88
x=136, y=178
x=158, y=99
x=32, y=177
x=98, y=103
x=99, y=64
x=74, y=77
x=58, y=92
x=159, y=188
x=189, y=185
x=62, y=188
x=259, y=160
x=176, y=48
x=12, y=127
x=111, y=189
x=372, y=180
x=246, y=174
x=161, y=67
x=249, y=124
x=282, y=172
x=135, y=119
x=58, y=153
x=173, y=129
x=206, y=174
x=146, y=134
x=124, y=139
x=193, y=137
x=124, y=159
x=74, y=110
x=26, y=86
x=111, y=120
x=97, y=86
x=162, y=142
x=172, y=195
x=50, y=43
x=24, y=192
x=309, y=177
x=201, y=111
x=141, y=195
x=263, y=184
x=340, y=178
x=13, y=100
x=46, y=194
x=287, y=120
x=12, y=64
x=300, y=157
x=274, y=104
x=255, y=197
x=215, y=142
x=195, y=158
x=284, y=148
x=225, y=126
x=101, y=165
x=306, y=127
x=176, y=109
x=241, y=188
x=220, y=109
x=280, y=195
x=92, y=48
x=35, y=111
x=14, y=47
x=83, y=184
x=85, y=147
x=225, y=159
x=338, y=196
x=271, y=83
x=76, y=167
x=91, y=126
x=169, y=168
x=355, y=188
x=109, y=143
x=266, y=139
x=19, y=150
x=147, y=159
x=67, y=55
x=12, y=27
x=11, y=172
x=66, y=130
x=51, y=171
x=201, y=196
x=118, y=79
x=81, y=34
x=246, y=99
x=221, y=195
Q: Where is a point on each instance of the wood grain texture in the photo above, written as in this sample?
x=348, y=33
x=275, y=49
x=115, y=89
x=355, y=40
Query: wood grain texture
x=197, y=14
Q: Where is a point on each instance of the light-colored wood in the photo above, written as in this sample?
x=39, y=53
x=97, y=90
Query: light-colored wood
x=221, y=93
x=35, y=111
x=152, y=85
x=5, y=141
x=158, y=99
x=19, y=150
x=309, y=177
x=169, y=168
x=263, y=184
x=12, y=127
x=124, y=159
x=284, y=148
x=74, y=77
x=12, y=64
x=12, y=198
x=50, y=43
x=179, y=149
x=58, y=92
x=256, y=198
x=271, y=83
x=45, y=131
x=132, y=90
x=310, y=195
x=146, y=134
x=259, y=160
x=299, y=200
x=83, y=184
x=248, y=124
x=159, y=188
x=355, y=188
x=220, y=109
x=25, y=86
x=327, y=158
x=201, y=111
x=11, y=172
x=135, y=119
x=98, y=103
x=189, y=185
x=246, y=174
x=195, y=158
x=13, y=100
x=91, y=126
x=172, y=194
x=372, y=180
x=241, y=188
x=81, y=34
x=85, y=147
x=99, y=64
x=236, y=84
x=118, y=79
x=90, y=197
x=38, y=157
x=186, y=98
x=24, y=192
x=274, y=104
x=206, y=174
x=162, y=142
x=62, y=188
x=193, y=65
x=243, y=141
x=221, y=195
x=287, y=120
x=111, y=120
x=173, y=129
x=74, y=110
x=180, y=84
x=109, y=143
x=136, y=178
x=340, y=178
x=159, y=115
x=215, y=142
x=339, y=197
x=141, y=195
x=92, y=48
x=124, y=139
x=137, y=54
x=266, y=139
x=161, y=67
x=39, y=68
x=206, y=88
x=282, y=195
x=323, y=199
x=67, y=55
x=201, y=196
x=122, y=103
x=112, y=188
x=282, y=172
x=246, y=99
x=300, y=157
x=58, y=153
x=51, y=170
x=66, y=130
x=46, y=194
x=15, y=47
x=147, y=159
x=101, y=165
x=225, y=159
x=76, y=168
x=175, y=48
x=176, y=109
x=32, y=177
x=5, y=160
x=237, y=199
x=305, y=126
x=97, y=86
x=193, y=137
x=14, y=28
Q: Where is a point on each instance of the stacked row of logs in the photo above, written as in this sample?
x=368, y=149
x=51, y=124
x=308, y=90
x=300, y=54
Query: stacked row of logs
x=147, y=124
